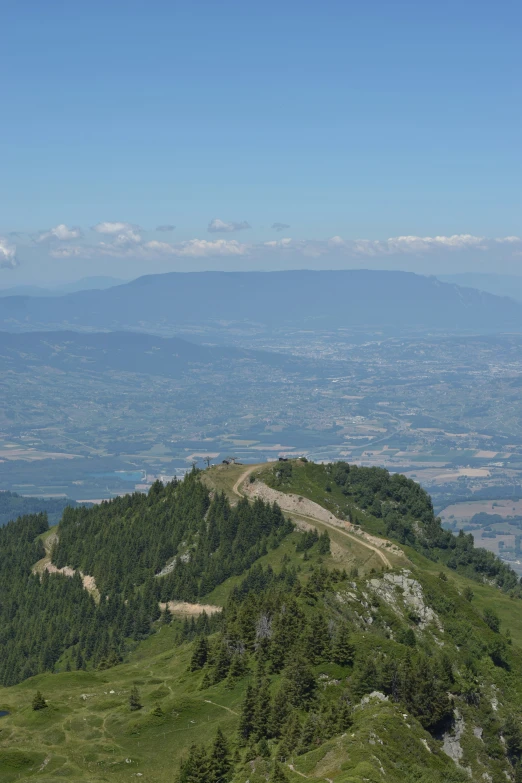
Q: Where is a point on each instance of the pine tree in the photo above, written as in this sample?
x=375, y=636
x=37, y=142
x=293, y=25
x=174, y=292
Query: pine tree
x=262, y=710
x=166, y=617
x=220, y=759
x=222, y=663
x=279, y=712
x=39, y=702
x=195, y=769
x=344, y=715
x=324, y=543
x=317, y=639
x=342, y=648
x=237, y=669
x=291, y=736
x=300, y=681
x=263, y=749
x=309, y=734
x=134, y=699
x=246, y=721
x=200, y=654
x=367, y=678
x=278, y=774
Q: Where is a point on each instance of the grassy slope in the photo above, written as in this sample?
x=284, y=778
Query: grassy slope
x=89, y=734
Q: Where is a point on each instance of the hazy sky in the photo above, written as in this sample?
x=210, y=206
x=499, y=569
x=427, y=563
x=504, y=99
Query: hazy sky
x=152, y=136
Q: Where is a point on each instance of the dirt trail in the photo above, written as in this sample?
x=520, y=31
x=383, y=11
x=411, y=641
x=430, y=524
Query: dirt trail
x=243, y=476
x=309, y=510
x=207, y=701
x=45, y=564
x=291, y=766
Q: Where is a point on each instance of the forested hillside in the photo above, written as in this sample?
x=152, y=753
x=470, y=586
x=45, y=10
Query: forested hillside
x=322, y=663
x=123, y=544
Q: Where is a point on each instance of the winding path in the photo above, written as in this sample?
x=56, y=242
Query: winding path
x=282, y=499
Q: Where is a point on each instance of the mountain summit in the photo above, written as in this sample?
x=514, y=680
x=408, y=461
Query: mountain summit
x=304, y=299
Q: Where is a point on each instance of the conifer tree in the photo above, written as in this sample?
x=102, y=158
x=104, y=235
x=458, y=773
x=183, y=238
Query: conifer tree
x=309, y=734
x=200, y=654
x=324, y=543
x=263, y=749
x=166, y=617
x=317, y=640
x=300, y=681
x=342, y=648
x=262, y=710
x=220, y=760
x=238, y=667
x=291, y=736
x=279, y=711
x=344, y=715
x=39, y=702
x=195, y=769
x=246, y=721
x=278, y=774
x=222, y=663
x=367, y=678
x=134, y=699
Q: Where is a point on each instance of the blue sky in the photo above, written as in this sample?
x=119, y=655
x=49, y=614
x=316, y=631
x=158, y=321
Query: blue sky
x=348, y=120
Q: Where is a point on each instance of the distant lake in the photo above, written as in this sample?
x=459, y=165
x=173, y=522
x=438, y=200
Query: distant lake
x=3, y=713
x=123, y=475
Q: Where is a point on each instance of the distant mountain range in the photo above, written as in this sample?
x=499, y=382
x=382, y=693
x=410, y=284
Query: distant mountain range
x=302, y=299
x=501, y=285
x=85, y=284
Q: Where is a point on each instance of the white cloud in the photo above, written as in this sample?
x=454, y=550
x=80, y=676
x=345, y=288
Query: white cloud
x=60, y=232
x=114, y=228
x=121, y=235
x=280, y=226
x=166, y=227
x=284, y=242
x=125, y=240
x=69, y=251
x=219, y=226
x=7, y=254
x=198, y=248
x=123, y=247
x=509, y=240
x=409, y=244
x=412, y=244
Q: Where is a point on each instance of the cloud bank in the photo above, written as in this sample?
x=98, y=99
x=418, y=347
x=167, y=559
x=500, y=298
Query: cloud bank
x=61, y=233
x=119, y=239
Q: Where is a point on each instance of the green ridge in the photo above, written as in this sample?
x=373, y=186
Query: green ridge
x=382, y=668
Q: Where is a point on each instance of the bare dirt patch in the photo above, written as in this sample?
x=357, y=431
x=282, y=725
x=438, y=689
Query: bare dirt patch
x=185, y=609
x=88, y=582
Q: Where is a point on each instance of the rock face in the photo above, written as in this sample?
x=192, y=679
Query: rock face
x=451, y=741
x=394, y=588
